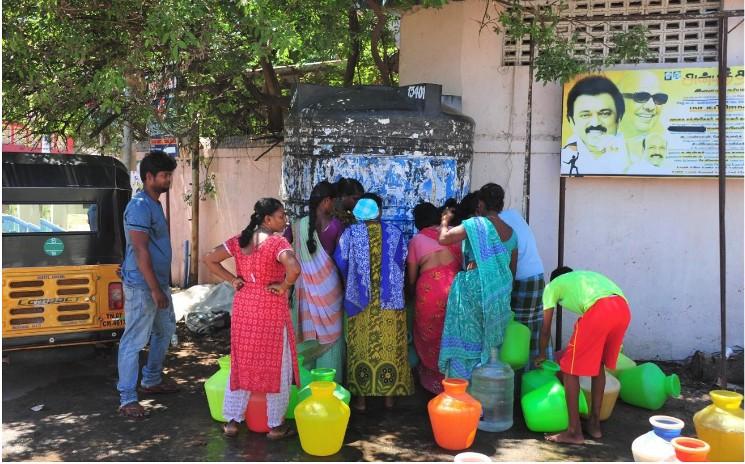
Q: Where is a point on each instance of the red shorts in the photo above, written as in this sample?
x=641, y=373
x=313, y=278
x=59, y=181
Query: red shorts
x=597, y=337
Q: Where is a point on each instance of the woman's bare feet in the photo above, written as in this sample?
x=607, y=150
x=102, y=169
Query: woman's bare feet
x=566, y=437
x=358, y=404
x=281, y=431
x=230, y=429
x=592, y=427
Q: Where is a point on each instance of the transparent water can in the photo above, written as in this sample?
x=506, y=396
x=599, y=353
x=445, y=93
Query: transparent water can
x=493, y=385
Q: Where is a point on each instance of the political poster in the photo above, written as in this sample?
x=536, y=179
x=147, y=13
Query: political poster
x=651, y=122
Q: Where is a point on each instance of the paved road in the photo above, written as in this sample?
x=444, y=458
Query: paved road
x=79, y=420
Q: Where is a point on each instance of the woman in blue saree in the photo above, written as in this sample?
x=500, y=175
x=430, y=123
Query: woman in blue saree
x=478, y=307
x=370, y=257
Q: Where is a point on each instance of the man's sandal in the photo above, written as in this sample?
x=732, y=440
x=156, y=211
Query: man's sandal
x=161, y=388
x=133, y=410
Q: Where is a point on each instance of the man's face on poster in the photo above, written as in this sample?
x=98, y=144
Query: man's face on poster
x=655, y=149
x=644, y=100
x=595, y=120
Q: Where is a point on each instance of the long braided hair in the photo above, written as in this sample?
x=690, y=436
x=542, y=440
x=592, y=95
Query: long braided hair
x=320, y=192
x=263, y=208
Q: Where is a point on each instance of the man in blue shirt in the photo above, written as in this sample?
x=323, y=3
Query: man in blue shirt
x=148, y=309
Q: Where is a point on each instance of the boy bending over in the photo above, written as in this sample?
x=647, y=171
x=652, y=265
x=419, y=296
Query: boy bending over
x=595, y=343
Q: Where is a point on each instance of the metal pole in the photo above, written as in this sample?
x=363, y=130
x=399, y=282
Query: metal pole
x=722, y=197
x=194, y=259
x=528, y=137
x=562, y=212
x=185, y=283
x=168, y=223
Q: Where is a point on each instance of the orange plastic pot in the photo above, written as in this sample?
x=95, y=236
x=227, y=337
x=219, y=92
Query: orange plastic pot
x=256, y=418
x=454, y=415
x=689, y=449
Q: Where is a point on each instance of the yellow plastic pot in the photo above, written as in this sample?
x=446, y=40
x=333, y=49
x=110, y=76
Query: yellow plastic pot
x=721, y=425
x=322, y=420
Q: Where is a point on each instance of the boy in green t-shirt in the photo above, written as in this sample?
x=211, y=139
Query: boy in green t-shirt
x=595, y=343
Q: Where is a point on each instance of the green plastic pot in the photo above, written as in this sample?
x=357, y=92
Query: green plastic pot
x=324, y=374
x=623, y=363
x=290, y=414
x=538, y=377
x=646, y=386
x=215, y=388
x=305, y=378
x=545, y=408
x=515, y=349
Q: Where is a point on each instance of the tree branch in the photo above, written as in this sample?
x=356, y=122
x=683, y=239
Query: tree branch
x=271, y=85
x=354, y=52
x=106, y=123
x=375, y=41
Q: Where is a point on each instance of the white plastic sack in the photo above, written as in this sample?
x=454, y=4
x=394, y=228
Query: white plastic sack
x=204, y=298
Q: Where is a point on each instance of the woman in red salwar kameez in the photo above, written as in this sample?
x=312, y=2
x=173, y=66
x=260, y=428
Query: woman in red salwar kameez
x=431, y=268
x=262, y=341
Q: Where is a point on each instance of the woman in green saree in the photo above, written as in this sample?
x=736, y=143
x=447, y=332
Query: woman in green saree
x=478, y=307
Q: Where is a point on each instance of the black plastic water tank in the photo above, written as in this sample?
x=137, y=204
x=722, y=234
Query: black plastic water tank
x=400, y=143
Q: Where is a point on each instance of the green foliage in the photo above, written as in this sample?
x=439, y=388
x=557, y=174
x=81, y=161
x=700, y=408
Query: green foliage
x=203, y=68
x=81, y=69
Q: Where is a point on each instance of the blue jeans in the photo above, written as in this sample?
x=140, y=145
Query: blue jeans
x=143, y=322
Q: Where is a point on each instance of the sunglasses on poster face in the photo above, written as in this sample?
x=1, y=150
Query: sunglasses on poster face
x=643, y=97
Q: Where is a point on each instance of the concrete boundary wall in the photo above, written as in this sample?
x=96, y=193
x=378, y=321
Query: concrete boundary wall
x=658, y=238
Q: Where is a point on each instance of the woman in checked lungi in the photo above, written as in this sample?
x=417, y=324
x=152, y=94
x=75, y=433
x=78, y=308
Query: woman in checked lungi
x=527, y=290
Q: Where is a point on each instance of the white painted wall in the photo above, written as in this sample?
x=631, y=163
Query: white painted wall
x=657, y=238
x=241, y=181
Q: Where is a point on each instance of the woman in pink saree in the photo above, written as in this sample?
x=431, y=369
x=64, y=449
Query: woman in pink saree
x=431, y=269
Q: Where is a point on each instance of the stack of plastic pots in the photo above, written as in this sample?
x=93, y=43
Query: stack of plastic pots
x=655, y=446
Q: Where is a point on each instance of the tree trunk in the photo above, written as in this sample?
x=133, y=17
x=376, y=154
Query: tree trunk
x=193, y=145
x=377, y=32
x=354, y=52
x=271, y=86
x=127, y=157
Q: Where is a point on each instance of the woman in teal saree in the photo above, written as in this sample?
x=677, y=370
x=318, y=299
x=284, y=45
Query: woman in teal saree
x=478, y=307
